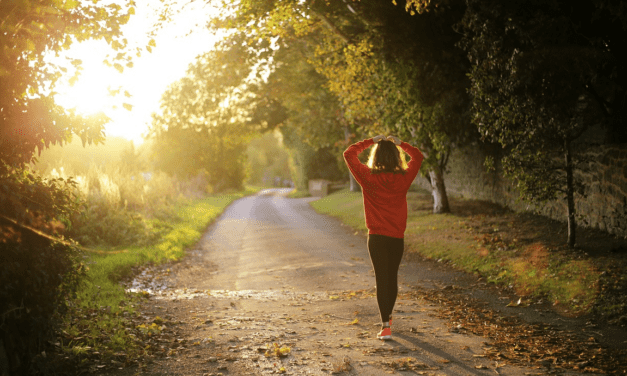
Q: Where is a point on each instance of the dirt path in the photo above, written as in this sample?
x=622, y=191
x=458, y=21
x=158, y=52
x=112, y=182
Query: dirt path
x=275, y=288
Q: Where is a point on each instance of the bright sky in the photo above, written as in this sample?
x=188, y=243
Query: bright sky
x=150, y=75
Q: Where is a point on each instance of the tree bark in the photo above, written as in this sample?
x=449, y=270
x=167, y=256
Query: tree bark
x=570, y=197
x=438, y=190
x=354, y=186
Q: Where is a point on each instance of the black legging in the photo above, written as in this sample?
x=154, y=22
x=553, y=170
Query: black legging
x=386, y=253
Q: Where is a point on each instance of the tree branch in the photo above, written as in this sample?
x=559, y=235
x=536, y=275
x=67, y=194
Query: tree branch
x=42, y=234
x=331, y=26
x=34, y=231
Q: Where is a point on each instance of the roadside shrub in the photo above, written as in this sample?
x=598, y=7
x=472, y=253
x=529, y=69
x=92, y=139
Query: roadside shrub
x=112, y=227
x=36, y=280
x=118, y=204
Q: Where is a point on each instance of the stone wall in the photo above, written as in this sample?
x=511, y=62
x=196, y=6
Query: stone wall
x=604, y=207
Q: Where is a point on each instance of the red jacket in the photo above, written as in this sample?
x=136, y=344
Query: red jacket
x=385, y=194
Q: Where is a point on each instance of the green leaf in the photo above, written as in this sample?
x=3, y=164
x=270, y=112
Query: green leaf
x=70, y=4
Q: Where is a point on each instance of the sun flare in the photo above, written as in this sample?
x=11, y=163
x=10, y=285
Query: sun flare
x=129, y=98
x=90, y=94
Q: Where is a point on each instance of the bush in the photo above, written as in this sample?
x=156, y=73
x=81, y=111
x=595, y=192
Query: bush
x=36, y=280
x=118, y=205
x=102, y=225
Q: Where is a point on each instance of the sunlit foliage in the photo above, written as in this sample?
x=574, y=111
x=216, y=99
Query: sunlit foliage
x=29, y=119
x=205, y=120
x=34, y=208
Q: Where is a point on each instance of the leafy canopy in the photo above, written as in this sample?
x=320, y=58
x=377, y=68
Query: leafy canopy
x=205, y=118
x=29, y=119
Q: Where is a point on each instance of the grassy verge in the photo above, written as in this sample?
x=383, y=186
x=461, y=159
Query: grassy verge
x=99, y=323
x=345, y=205
x=474, y=242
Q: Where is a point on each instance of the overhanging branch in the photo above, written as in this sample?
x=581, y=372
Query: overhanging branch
x=42, y=234
x=331, y=26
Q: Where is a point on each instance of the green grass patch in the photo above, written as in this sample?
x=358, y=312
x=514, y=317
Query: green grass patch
x=572, y=284
x=532, y=270
x=345, y=205
x=98, y=321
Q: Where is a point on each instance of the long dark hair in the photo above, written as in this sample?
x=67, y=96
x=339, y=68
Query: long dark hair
x=385, y=156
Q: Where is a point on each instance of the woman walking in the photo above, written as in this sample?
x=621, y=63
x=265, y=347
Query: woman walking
x=385, y=182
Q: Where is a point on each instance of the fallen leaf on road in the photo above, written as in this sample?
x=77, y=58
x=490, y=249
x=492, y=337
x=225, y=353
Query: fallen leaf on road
x=343, y=366
x=277, y=350
x=408, y=364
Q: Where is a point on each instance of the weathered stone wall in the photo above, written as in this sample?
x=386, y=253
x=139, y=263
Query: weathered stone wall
x=604, y=207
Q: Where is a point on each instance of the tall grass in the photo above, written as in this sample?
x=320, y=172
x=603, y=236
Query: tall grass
x=121, y=205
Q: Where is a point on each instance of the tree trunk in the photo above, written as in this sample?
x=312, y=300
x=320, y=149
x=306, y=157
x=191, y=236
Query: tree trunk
x=570, y=197
x=438, y=190
x=354, y=186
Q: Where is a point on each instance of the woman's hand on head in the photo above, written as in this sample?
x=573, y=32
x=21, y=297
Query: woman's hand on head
x=395, y=140
x=378, y=138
